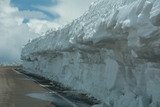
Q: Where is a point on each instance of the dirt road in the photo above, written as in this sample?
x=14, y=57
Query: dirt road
x=15, y=89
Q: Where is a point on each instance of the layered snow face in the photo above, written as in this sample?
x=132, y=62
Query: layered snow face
x=112, y=52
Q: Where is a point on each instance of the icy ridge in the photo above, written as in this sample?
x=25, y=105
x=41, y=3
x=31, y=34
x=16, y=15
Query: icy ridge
x=106, y=18
x=111, y=52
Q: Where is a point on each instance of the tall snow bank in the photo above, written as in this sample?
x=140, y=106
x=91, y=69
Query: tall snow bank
x=111, y=52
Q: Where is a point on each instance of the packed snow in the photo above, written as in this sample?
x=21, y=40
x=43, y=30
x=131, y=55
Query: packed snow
x=112, y=52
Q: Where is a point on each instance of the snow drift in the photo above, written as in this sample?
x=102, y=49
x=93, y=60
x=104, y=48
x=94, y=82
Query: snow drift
x=112, y=52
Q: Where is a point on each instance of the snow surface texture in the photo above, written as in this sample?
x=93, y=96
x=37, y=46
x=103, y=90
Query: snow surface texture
x=112, y=52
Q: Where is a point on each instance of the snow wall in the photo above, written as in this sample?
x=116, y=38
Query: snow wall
x=111, y=52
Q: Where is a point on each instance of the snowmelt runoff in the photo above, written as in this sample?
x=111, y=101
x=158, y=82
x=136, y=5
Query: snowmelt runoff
x=112, y=52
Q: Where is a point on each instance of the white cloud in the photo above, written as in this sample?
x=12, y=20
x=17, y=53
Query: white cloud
x=41, y=26
x=13, y=33
x=71, y=9
x=68, y=9
x=32, y=14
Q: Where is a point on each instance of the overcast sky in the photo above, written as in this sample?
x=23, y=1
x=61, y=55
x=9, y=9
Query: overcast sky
x=22, y=20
